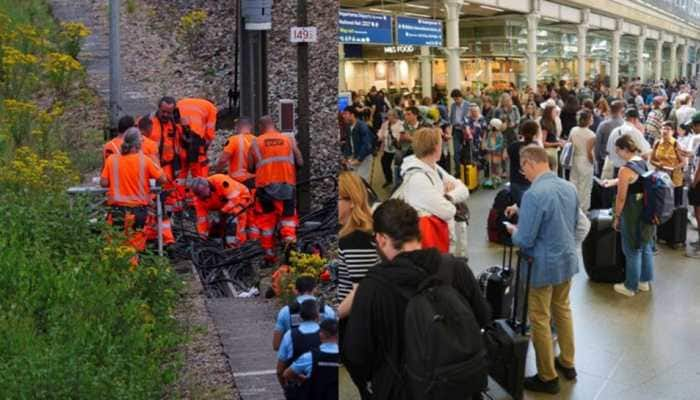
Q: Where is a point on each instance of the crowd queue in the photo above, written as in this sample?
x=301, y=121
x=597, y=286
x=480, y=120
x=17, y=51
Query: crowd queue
x=561, y=150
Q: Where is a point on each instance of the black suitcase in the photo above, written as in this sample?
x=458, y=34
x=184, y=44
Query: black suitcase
x=602, y=249
x=674, y=231
x=601, y=198
x=496, y=284
x=507, y=341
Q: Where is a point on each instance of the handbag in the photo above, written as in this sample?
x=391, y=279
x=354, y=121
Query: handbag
x=567, y=155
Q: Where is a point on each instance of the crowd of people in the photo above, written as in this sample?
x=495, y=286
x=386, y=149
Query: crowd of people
x=592, y=146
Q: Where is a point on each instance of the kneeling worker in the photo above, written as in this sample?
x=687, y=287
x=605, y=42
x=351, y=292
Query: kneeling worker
x=126, y=175
x=221, y=193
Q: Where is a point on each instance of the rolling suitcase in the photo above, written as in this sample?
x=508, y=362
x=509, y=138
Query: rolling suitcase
x=602, y=249
x=507, y=340
x=469, y=174
x=496, y=284
x=674, y=231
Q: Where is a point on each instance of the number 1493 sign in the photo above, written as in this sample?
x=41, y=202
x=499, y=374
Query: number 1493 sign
x=304, y=34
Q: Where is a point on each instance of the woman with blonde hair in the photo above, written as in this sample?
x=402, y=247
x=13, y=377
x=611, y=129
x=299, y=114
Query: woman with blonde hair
x=356, y=248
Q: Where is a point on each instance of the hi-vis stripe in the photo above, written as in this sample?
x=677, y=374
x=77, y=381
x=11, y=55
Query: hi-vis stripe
x=289, y=159
x=117, y=195
x=239, y=172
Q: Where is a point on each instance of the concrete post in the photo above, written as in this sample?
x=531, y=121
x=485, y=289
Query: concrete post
x=615, y=64
x=659, y=53
x=488, y=72
x=674, y=61
x=684, y=60
x=115, y=90
x=640, y=53
x=426, y=71
x=454, y=70
x=532, y=22
x=342, y=84
x=582, y=53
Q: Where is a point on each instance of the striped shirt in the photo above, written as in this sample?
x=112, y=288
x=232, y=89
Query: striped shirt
x=357, y=252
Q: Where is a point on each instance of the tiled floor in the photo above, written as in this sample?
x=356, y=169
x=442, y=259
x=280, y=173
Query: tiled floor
x=639, y=348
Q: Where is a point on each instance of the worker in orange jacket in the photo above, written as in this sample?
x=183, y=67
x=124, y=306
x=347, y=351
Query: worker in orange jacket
x=274, y=158
x=219, y=193
x=198, y=120
x=234, y=157
x=165, y=131
x=114, y=145
x=126, y=176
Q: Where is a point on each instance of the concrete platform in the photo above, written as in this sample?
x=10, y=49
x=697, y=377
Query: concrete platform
x=640, y=348
x=245, y=327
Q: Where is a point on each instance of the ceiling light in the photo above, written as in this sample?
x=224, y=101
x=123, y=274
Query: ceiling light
x=379, y=10
x=422, y=7
x=491, y=8
x=417, y=15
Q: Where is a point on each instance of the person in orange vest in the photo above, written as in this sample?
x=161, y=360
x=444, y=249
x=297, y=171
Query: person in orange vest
x=114, y=145
x=148, y=146
x=166, y=132
x=126, y=176
x=273, y=157
x=198, y=120
x=220, y=193
x=235, y=157
x=236, y=152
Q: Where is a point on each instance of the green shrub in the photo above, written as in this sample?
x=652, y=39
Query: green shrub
x=76, y=320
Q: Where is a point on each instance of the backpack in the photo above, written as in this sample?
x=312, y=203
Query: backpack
x=444, y=356
x=658, y=194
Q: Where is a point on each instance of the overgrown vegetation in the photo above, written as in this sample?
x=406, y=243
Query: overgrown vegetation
x=77, y=320
x=191, y=30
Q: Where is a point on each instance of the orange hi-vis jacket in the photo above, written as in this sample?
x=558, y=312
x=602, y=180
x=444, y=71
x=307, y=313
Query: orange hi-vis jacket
x=167, y=137
x=227, y=196
x=238, y=147
x=150, y=149
x=273, y=156
x=202, y=116
x=128, y=177
x=114, y=146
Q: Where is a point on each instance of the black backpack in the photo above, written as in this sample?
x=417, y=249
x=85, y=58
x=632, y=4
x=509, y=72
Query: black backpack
x=444, y=355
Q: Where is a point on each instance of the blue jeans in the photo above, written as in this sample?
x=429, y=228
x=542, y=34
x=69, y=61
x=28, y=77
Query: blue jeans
x=639, y=263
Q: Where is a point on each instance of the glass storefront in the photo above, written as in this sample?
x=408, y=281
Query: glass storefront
x=628, y=57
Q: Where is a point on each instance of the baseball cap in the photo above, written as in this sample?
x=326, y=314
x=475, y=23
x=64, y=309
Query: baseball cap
x=695, y=119
x=496, y=124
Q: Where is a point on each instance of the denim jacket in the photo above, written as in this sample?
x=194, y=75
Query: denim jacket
x=359, y=141
x=547, y=229
x=453, y=110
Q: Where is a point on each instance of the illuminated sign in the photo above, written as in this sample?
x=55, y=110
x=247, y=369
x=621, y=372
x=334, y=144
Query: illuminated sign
x=419, y=32
x=364, y=28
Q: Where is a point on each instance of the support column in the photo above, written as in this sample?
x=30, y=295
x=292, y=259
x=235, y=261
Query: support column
x=582, y=47
x=426, y=71
x=488, y=74
x=615, y=64
x=342, y=85
x=454, y=70
x=674, y=61
x=684, y=60
x=532, y=22
x=640, y=53
x=397, y=73
x=657, y=61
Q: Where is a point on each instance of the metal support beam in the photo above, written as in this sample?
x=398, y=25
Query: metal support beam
x=303, y=134
x=115, y=90
x=253, y=60
x=532, y=21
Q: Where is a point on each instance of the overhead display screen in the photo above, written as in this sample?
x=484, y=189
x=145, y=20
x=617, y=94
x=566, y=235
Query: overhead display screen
x=364, y=28
x=419, y=32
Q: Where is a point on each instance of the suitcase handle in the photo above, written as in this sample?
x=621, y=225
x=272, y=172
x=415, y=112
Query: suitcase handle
x=513, y=318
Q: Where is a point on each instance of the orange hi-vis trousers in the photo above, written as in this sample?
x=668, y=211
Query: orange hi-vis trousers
x=268, y=215
x=133, y=219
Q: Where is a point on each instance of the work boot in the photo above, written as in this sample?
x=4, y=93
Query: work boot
x=535, y=384
x=569, y=373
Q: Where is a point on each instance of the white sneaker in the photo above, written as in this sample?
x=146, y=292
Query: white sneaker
x=644, y=287
x=620, y=288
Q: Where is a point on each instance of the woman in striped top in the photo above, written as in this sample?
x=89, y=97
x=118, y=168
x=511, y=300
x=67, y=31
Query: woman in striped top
x=356, y=247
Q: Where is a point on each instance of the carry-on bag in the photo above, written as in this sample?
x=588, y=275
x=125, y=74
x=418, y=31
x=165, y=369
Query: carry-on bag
x=496, y=284
x=507, y=340
x=602, y=249
x=674, y=232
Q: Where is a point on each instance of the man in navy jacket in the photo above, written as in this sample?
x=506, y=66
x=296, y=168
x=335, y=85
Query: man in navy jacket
x=359, y=146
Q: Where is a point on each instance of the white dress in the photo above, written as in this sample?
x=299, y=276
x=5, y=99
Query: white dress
x=582, y=168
